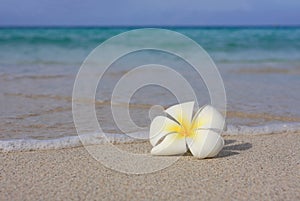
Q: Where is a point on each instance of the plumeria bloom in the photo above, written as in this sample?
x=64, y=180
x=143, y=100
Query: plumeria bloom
x=179, y=131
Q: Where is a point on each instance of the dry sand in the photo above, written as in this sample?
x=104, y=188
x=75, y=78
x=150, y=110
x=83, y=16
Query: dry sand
x=263, y=167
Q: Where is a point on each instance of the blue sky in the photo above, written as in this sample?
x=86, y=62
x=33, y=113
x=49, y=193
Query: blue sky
x=149, y=12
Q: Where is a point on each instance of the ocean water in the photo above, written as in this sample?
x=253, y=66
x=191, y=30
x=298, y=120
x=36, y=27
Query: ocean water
x=260, y=67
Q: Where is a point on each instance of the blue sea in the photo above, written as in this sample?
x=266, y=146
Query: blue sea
x=260, y=67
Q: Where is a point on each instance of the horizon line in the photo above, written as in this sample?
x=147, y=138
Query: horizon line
x=154, y=26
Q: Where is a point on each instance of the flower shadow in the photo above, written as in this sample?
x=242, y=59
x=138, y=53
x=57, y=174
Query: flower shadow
x=231, y=148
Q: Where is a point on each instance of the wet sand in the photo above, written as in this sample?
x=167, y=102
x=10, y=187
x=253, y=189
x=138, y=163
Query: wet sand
x=261, y=167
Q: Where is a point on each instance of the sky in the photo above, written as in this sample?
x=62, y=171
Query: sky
x=148, y=12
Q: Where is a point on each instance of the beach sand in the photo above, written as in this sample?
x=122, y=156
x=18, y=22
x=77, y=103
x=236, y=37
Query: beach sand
x=261, y=167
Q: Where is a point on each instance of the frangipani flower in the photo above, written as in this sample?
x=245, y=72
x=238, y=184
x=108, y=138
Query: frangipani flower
x=179, y=132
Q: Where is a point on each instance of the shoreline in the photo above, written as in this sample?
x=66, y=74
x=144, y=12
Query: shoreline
x=73, y=141
x=249, y=167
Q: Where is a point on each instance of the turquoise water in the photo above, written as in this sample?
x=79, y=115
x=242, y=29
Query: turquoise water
x=51, y=46
x=260, y=68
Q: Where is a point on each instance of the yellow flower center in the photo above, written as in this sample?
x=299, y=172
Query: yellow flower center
x=186, y=129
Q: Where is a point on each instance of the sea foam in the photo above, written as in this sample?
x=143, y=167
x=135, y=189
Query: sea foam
x=96, y=138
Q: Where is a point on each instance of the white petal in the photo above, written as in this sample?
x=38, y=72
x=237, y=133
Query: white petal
x=160, y=127
x=205, y=143
x=182, y=112
x=171, y=145
x=209, y=118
